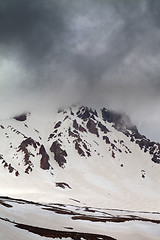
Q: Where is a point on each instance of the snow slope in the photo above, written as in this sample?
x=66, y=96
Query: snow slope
x=79, y=155
x=29, y=220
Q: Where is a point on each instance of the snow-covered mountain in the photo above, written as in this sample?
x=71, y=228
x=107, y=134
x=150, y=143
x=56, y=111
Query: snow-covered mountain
x=78, y=174
x=80, y=155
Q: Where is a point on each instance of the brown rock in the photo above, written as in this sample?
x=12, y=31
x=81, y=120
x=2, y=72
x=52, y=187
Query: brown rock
x=79, y=149
x=91, y=125
x=21, y=117
x=58, y=124
x=59, y=153
x=82, y=129
x=10, y=168
x=75, y=124
x=23, y=147
x=103, y=128
x=44, y=164
x=106, y=139
x=62, y=185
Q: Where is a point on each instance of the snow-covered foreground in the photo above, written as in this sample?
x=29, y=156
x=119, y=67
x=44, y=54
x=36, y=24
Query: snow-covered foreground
x=25, y=220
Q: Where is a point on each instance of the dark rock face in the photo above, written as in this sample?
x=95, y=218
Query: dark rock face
x=121, y=121
x=44, y=164
x=106, y=139
x=136, y=135
x=53, y=234
x=26, y=143
x=58, y=124
x=156, y=158
x=59, y=153
x=17, y=173
x=103, y=128
x=87, y=150
x=73, y=133
x=79, y=149
x=113, y=154
x=144, y=143
x=147, y=146
x=75, y=124
x=52, y=135
x=107, y=115
x=21, y=117
x=80, y=146
x=8, y=166
x=78, y=126
x=62, y=185
x=82, y=129
x=91, y=125
x=143, y=173
x=23, y=148
x=85, y=113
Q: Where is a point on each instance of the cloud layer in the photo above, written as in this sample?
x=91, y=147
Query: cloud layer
x=98, y=53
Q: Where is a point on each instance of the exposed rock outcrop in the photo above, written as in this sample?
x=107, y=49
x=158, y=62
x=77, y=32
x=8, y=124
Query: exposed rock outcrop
x=78, y=126
x=91, y=125
x=58, y=124
x=44, y=162
x=86, y=113
x=10, y=168
x=23, y=148
x=21, y=117
x=62, y=185
x=59, y=153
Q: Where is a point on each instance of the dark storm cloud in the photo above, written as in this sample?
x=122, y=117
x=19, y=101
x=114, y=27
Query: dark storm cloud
x=36, y=25
x=41, y=31
x=93, y=52
x=127, y=32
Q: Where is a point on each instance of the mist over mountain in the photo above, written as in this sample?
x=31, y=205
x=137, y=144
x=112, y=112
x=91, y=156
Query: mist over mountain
x=96, y=53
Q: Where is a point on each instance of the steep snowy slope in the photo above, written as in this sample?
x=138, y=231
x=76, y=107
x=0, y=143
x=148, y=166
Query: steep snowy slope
x=80, y=155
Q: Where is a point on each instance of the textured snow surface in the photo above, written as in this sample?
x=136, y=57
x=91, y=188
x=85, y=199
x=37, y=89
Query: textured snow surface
x=16, y=216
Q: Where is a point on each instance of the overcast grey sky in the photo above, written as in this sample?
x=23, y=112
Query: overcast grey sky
x=93, y=52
